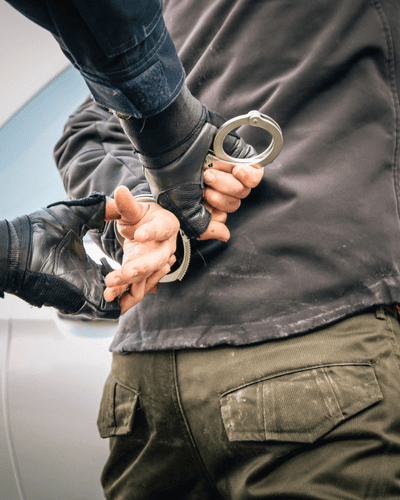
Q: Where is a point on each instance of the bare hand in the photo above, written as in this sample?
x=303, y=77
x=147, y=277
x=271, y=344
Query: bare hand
x=150, y=232
x=227, y=185
x=150, y=243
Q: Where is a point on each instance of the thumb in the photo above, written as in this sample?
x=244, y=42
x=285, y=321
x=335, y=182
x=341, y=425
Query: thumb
x=111, y=210
x=130, y=209
x=216, y=231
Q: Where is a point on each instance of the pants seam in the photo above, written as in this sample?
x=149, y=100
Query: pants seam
x=179, y=409
x=395, y=348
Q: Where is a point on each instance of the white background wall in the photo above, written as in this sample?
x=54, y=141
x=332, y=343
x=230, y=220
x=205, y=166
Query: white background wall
x=29, y=58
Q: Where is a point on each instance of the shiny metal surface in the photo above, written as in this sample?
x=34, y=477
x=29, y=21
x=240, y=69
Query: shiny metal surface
x=179, y=273
x=255, y=119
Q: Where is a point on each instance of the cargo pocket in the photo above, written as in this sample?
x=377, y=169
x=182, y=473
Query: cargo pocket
x=299, y=406
x=117, y=409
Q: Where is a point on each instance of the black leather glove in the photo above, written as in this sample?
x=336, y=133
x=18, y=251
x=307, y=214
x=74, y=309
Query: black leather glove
x=43, y=260
x=173, y=146
x=178, y=187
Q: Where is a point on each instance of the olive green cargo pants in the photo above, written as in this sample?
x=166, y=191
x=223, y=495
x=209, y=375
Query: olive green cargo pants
x=310, y=417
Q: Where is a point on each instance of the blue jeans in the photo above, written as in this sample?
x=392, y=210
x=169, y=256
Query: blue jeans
x=121, y=48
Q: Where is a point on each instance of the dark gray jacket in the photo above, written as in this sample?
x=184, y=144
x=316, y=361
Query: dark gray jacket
x=319, y=238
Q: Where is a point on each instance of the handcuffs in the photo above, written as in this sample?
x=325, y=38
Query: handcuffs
x=255, y=119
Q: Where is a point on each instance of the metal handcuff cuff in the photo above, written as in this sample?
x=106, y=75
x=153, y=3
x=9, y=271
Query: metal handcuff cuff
x=255, y=119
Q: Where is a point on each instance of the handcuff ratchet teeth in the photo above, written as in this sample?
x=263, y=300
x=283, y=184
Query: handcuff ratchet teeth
x=255, y=119
x=179, y=273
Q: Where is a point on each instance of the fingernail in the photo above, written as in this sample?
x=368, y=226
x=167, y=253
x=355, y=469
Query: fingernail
x=209, y=175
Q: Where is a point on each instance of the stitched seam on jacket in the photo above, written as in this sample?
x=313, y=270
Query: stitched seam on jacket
x=393, y=85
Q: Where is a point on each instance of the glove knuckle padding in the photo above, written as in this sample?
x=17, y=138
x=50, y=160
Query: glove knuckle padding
x=187, y=205
x=179, y=186
x=56, y=271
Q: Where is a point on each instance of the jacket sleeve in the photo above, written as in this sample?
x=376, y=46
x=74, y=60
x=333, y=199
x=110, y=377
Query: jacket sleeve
x=94, y=154
x=122, y=49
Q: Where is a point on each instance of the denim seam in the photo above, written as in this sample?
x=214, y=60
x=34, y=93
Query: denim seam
x=133, y=70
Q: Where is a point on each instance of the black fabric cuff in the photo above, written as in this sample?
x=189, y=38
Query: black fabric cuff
x=163, y=138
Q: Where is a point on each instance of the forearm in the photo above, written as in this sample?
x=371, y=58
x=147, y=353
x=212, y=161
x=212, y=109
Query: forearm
x=122, y=49
x=94, y=154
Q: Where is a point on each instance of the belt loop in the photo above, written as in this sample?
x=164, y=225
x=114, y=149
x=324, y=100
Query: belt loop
x=380, y=312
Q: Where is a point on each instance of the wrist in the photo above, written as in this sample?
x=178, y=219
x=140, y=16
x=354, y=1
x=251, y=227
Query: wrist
x=162, y=138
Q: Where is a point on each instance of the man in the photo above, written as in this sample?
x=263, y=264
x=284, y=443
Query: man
x=43, y=260
x=272, y=369
x=128, y=60
x=135, y=71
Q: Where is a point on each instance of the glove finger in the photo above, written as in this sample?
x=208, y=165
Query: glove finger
x=79, y=215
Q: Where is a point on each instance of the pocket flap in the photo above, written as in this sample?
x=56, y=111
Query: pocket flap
x=117, y=409
x=299, y=406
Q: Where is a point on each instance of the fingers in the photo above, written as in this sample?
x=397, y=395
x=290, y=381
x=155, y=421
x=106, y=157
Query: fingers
x=144, y=223
x=248, y=175
x=136, y=268
x=161, y=225
x=225, y=183
x=111, y=210
x=228, y=184
x=237, y=182
x=149, y=248
x=136, y=287
x=221, y=202
x=130, y=209
x=111, y=293
x=216, y=231
x=217, y=215
x=138, y=290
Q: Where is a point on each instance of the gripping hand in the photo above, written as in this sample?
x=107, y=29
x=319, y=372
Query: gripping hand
x=43, y=260
x=179, y=186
